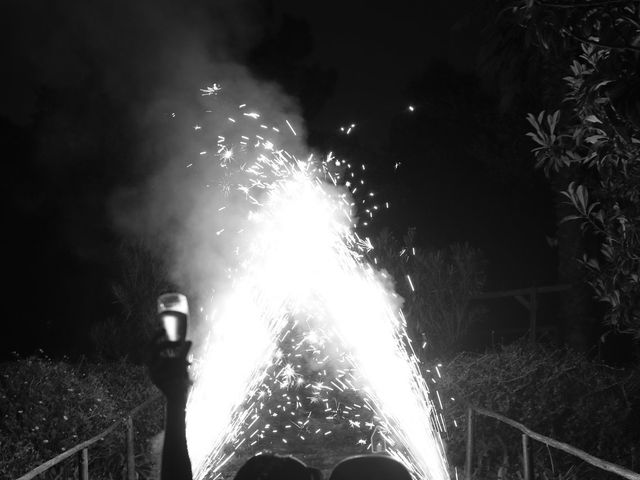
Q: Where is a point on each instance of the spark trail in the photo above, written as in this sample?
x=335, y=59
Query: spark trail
x=301, y=258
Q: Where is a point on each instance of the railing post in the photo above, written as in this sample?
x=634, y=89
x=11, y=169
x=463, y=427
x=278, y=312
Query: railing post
x=83, y=464
x=469, y=458
x=131, y=454
x=533, y=312
x=527, y=457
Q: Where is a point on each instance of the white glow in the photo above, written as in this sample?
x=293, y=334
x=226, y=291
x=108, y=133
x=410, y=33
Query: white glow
x=303, y=256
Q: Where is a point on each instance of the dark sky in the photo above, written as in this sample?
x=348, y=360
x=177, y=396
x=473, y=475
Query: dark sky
x=378, y=50
x=424, y=53
x=88, y=85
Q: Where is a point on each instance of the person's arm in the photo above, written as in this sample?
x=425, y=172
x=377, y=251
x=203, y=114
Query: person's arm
x=168, y=371
x=175, y=457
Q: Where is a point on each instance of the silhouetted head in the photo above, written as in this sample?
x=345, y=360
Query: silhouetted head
x=370, y=467
x=275, y=467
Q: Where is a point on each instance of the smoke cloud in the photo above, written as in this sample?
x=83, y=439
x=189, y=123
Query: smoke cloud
x=113, y=147
x=190, y=206
x=179, y=199
x=150, y=59
x=130, y=51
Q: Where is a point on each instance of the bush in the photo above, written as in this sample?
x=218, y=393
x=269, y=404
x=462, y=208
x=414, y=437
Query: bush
x=141, y=278
x=591, y=151
x=437, y=295
x=559, y=394
x=49, y=407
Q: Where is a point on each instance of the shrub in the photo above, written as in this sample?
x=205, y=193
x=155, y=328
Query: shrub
x=48, y=407
x=436, y=285
x=591, y=150
x=141, y=278
x=559, y=394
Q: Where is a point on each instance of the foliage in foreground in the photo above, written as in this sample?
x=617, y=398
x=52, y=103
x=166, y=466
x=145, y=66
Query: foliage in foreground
x=593, y=140
x=48, y=407
x=558, y=394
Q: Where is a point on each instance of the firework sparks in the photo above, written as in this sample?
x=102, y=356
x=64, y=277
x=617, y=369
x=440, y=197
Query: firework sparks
x=302, y=259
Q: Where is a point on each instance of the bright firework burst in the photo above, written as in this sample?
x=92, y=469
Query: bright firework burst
x=301, y=259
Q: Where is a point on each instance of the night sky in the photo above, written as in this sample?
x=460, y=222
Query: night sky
x=88, y=87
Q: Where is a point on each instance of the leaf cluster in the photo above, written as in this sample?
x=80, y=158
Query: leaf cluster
x=594, y=140
x=554, y=25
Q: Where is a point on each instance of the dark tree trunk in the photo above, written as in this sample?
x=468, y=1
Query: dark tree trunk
x=576, y=315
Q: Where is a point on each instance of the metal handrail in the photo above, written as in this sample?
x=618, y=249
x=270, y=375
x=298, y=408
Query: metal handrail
x=82, y=448
x=527, y=433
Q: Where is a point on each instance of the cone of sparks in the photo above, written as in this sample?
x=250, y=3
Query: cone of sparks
x=300, y=258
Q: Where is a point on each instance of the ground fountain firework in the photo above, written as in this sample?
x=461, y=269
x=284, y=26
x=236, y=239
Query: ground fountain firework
x=307, y=330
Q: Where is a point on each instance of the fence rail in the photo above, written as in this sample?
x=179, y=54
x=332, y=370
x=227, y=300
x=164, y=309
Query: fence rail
x=528, y=298
x=527, y=435
x=82, y=449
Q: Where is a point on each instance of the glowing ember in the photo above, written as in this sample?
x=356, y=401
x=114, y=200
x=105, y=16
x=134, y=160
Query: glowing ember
x=302, y=294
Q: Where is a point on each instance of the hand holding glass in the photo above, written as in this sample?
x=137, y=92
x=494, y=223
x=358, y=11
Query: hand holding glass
x=173, y=311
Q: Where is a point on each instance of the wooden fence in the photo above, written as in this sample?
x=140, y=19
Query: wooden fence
x=527, y=453
x=528, y=298
x=82, y=449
